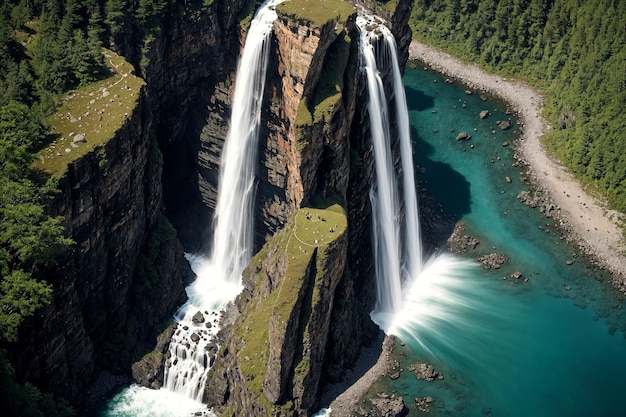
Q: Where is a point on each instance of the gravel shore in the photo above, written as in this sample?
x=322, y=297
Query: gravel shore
x=344, y=398
x=587, y=221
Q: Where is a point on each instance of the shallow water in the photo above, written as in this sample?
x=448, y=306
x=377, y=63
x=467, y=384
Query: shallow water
x=548, y=344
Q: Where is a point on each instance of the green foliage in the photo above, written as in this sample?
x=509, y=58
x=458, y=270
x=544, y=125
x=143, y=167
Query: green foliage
x=26, y=400
x=29, y=238
x=318, y=12
x=575, y=51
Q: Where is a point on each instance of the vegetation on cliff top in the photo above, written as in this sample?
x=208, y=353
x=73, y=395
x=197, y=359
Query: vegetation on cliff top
x=318, y=12
x=310, y=231
x=328, y=91
x=575, y=52
x=90, y=116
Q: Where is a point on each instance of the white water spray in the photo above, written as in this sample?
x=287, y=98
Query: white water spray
x=219, y=278
x=387, y=227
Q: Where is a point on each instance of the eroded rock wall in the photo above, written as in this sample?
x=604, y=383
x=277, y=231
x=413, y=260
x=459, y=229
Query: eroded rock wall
x=125, y=274
x=189, y=70
x=317, y=146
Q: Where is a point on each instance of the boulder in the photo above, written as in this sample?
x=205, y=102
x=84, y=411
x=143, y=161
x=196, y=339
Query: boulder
x=493, y=260
x=463, y=136
x=483, y=114
x=504, y=125
x=425, y=372
x=198, y=318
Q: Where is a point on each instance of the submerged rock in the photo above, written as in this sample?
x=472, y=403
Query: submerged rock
x=425, y=372
x=463, y=136
x=504, y=125
x=493, y=260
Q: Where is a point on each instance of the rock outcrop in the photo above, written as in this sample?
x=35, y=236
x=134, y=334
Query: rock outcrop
x=270, y=362
x=317, y=146
x=125, y=274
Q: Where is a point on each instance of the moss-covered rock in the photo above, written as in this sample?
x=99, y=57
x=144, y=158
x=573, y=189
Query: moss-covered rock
x=273, y=356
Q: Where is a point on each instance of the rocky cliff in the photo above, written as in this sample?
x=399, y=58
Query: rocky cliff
x=317, y=146
x=304, y=313
x=125, y=275
x=189, y=69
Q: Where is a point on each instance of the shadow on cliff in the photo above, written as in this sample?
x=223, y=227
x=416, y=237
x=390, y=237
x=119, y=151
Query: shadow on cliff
x=444, y=194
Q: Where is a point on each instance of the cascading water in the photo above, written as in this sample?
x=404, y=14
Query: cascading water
x=430, y=287
x=417, y=298
x=383, y=194
x=219, y=277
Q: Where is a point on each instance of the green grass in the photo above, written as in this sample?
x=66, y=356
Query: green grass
x=310, y=228
x=318, y=12
x=246, y=14
x=97, y=111
x=328, y=92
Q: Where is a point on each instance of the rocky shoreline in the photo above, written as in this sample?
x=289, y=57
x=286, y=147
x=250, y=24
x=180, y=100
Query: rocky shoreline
x=583, y=221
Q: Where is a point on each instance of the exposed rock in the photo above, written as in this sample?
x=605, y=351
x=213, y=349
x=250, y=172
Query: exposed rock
x=504, y=125
x=493, y=260
x=149, y=371
x=516, y=275
x=80, y=138
x=458, y=242
x=425, y=372
x=463, y=136
x=484, y=114
x=390, y=406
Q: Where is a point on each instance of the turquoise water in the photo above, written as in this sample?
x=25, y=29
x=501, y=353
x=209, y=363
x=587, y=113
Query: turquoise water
x=549, y=344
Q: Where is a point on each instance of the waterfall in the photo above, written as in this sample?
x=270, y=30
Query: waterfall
x=219, y=277
x=396, y=240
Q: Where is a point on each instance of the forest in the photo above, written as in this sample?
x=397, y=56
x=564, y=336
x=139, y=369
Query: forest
x=574, y=51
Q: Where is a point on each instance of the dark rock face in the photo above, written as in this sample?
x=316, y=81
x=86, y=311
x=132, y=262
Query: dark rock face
x=189, y=79
x=126, y=273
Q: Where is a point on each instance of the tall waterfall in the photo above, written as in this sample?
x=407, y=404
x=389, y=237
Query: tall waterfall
x=219, y=277
x=396, y=240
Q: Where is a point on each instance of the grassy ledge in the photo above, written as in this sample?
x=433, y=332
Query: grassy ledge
x=308, y=229
x=318, y=12
x=90, y=116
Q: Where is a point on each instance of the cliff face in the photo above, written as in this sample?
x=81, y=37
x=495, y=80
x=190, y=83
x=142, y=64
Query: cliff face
x=317, y=146
x=189, y=74
x=270, y=362
x=126, y=272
